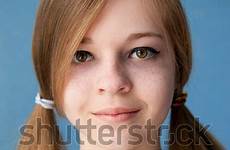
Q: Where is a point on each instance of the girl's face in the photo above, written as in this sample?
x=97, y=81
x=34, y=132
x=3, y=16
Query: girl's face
x=123, y=71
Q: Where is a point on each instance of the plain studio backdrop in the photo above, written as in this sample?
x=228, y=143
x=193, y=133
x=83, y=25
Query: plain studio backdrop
x=208, y=87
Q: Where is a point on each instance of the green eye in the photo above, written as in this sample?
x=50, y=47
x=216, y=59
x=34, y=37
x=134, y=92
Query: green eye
x=82, y=56
x=142, y=52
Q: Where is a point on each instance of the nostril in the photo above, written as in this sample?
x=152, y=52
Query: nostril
x=122, y=88
x=101, y=90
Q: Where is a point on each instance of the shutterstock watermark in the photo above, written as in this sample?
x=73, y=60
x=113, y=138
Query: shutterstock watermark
x=106, y=133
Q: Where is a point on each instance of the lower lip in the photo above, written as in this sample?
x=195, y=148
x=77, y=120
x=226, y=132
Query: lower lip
x=118, y=117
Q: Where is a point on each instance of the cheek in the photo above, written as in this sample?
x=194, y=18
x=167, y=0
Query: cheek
x=155, y=88
x=159, y=98
x=75, y=96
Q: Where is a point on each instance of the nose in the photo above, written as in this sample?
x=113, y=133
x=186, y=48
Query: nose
x=113, y=80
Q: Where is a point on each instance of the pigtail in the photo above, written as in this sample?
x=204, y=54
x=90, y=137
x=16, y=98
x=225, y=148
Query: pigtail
x=186, y=133
x=40, y=132
x=59, y=28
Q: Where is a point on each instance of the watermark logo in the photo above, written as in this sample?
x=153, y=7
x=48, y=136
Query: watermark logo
x=183, y=134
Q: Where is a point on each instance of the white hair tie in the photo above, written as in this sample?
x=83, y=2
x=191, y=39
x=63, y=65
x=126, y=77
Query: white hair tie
x=45, y=103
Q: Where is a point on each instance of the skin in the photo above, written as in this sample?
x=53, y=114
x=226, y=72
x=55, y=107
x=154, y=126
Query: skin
x=113, y=77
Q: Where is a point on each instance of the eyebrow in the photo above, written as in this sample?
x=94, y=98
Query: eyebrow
x=131, y=37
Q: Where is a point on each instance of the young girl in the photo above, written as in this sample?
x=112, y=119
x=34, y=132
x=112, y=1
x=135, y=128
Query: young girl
x=114, y=69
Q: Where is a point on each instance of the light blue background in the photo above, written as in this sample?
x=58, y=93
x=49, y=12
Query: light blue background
x=208, y=88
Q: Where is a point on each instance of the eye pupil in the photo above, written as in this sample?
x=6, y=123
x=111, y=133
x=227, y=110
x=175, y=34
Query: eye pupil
x=142, y=53
x=81, y=56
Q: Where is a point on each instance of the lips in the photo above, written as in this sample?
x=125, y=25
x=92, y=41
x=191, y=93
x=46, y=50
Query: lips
x=117, y=114
x=116, y=111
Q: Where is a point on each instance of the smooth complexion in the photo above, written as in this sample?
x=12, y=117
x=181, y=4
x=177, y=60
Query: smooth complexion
x=113, y=82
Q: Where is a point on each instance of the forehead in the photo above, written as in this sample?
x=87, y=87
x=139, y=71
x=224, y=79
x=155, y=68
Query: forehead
x=120, y=18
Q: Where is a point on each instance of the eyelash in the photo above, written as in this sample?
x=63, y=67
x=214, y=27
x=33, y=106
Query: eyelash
x=149, y=49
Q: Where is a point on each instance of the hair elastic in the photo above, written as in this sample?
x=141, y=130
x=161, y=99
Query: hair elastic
x=45, y=103
x=180, y=100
